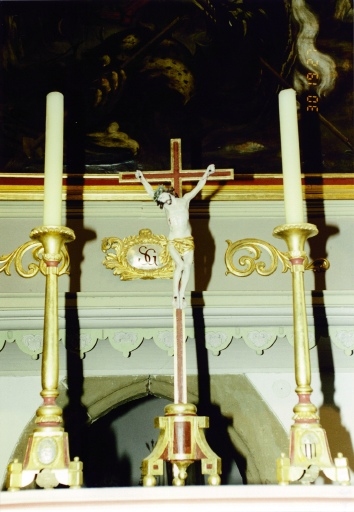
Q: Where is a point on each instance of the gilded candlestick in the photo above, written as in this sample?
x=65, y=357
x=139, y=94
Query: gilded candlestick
x=47, y=459
x=308, y=451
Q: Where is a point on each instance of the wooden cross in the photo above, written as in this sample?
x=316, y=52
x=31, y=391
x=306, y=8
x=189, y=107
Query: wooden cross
x=176, y=175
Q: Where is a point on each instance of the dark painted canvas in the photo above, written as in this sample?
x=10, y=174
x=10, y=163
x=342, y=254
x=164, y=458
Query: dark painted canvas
x=136, y=73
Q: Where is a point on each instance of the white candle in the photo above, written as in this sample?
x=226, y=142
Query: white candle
x=53, y=159
x=290, y=154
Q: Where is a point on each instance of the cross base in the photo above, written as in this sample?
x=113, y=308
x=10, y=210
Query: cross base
x=310, y=454
x=47, y=462
x=181, y=442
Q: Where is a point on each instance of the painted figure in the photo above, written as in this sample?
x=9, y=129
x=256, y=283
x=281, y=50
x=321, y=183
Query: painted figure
x=181, y=244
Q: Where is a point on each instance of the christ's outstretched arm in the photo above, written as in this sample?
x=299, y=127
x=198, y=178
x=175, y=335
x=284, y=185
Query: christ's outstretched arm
x=139, y=175
x=190, y=195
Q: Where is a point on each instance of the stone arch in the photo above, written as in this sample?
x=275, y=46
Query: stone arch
x=253, y=429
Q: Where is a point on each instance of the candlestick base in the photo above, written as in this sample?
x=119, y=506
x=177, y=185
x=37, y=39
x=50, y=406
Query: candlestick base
x=310, y=454
x=46, y=462
x=181, y=442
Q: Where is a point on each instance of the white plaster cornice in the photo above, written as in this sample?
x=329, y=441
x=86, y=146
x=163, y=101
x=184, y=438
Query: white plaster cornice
x=227, y=308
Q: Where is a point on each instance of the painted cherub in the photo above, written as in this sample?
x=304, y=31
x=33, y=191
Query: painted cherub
x=180, y=239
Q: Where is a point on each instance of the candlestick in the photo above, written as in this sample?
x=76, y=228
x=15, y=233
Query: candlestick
x=290, y=153
x=53, y=159
x=308, y=450
x=47, y=460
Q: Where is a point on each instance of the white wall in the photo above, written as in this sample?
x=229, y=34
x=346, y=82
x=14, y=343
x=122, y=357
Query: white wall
x=19, y=399
x=278, y=392
x=228, y=220
x=271, y=373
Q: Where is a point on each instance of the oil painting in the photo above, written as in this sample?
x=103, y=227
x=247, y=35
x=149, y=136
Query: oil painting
x=136, y=73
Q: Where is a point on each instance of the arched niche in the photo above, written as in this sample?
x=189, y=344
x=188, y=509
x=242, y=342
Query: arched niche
x=240, y=420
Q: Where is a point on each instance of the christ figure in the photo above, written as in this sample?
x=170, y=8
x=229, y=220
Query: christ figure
x=180, y=240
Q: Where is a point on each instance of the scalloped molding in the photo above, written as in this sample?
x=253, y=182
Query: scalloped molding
x=125, y=321
x=128, y=340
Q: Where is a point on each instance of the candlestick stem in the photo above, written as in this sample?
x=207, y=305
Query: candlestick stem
x=295, y=237
x=52, y=239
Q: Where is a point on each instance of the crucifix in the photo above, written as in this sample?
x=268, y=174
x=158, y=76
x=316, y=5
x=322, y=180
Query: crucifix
x=176, y=207
x=180, y=240
x=181, y=439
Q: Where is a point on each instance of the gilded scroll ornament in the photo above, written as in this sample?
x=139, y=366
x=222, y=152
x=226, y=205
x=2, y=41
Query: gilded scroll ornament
x=248, y=263
x=38, y=254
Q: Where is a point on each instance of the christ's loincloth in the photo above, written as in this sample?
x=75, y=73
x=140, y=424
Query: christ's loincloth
x=183, y=245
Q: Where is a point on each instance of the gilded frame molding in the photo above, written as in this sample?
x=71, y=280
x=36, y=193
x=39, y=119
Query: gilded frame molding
x=252, y=187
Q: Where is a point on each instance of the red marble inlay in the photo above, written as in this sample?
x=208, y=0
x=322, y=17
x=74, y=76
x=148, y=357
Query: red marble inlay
x=304, y=398
x=49, y=424
x=297, y=261
x=179, y=377
x=182, y=437
x=52, y=263
x=49, y=400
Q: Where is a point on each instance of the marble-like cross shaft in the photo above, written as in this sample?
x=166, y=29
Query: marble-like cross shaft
x=176, y=175
x=180, y=376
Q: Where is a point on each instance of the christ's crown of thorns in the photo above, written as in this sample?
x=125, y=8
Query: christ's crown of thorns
x=160, y=190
